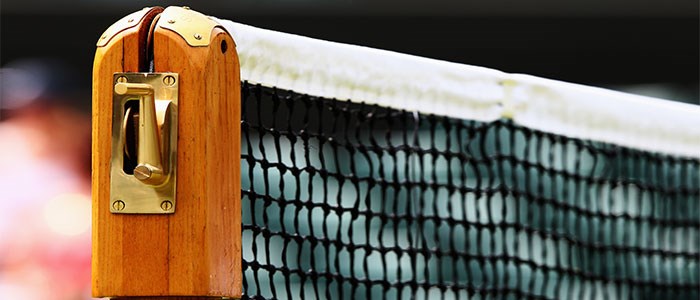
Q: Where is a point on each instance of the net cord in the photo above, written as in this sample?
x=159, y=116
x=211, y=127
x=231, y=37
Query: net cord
x=360, y=74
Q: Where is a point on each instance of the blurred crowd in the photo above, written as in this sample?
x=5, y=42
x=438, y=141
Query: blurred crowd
x=44, y=183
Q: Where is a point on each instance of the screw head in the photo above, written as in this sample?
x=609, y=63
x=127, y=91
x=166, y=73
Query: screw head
x=130, y=20
x=186, y=7
x=169, y=80
x=118, y=205
x=166, y=205
x=197, y=36
x=121, y=79
x=103, y=37
x=142, y=172
x=171, y=21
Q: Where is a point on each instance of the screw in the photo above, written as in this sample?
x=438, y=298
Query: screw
x=142, y=172
x=103, y=37
x=121, y=79
x=169, y=80
x=166, y=205
x=118, y=205
x=171, y=21
x=186, y=7
x=130, y=20
x=197, y=36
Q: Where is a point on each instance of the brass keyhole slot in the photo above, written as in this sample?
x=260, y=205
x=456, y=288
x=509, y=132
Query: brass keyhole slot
x=130, y=130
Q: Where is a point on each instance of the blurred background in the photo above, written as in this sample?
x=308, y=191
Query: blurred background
x=46, y=50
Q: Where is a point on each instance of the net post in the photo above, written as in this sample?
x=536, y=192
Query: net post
x=194, y=251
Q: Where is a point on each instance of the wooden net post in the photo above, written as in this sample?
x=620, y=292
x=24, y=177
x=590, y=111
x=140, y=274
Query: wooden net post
x=193, y=247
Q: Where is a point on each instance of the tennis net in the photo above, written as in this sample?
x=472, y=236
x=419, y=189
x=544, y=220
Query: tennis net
x=370, y=174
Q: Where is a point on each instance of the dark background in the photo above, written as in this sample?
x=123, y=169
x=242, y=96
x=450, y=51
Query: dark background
x=630, y=45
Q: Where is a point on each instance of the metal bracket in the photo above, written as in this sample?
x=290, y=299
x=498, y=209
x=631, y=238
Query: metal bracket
x=192, y=26
x=124, y=23
x=144, y=143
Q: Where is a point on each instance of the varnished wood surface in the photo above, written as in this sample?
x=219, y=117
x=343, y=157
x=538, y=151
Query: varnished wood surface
x=196, y=251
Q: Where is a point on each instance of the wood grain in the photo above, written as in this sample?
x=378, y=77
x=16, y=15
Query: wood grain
x=196, y=250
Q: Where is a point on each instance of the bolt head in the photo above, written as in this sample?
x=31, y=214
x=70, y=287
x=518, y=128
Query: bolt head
x=197, y=36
